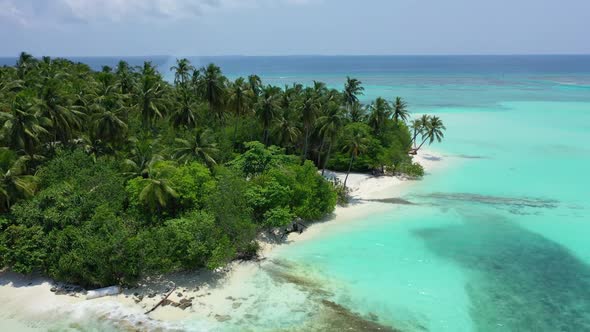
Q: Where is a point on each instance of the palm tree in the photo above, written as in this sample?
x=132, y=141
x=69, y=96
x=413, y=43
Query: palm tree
x=182, y=71
x=9, y=83
x=108, y=126
x=433, y=130
x=309, y=108
x=286, y=131
x=418, y=126
x=330, y=125
x=400, y=110
x=267, y=111
x=65, y=119
x=357, y=113
x=355, y=143
x=151, y=101
x=24, y=64
x=352, y=89
x=125, y=77
x=14, y=184
x=379, y=113
x=202, y=147
x=211, y=86
x=24, y=127
x=184, y=115
x=95, y=147
x=255, y=85
x=157, y=194
x=239, y=102
x=142, y=158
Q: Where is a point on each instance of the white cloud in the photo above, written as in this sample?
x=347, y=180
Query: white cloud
x=11, y=12
x=26, y=12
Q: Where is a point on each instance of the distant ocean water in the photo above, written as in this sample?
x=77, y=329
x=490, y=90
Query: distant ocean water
x=498, y=241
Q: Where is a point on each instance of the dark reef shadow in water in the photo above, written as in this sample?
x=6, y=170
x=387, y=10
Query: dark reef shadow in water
x=514, y=205
x=466, y=156
x=327, y=315
x=518, y=280
x=391, y=200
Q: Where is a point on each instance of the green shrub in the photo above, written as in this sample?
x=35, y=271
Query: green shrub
x=411, y=169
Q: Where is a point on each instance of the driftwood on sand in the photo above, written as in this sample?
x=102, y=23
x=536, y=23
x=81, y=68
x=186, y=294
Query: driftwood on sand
x=296, y=227
x=161, y=301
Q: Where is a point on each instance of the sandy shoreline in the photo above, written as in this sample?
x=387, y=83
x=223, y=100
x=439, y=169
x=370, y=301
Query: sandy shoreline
x=209, y=295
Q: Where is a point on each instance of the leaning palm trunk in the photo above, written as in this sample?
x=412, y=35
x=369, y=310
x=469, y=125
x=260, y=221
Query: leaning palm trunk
x=414, y=138
x=265, y=137
x=320, y=151
x=327, y=158
x=304, y=156
x=349, y=168
x=424, y=141
x=236, y=130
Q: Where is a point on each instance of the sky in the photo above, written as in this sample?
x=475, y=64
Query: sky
x=293, y=27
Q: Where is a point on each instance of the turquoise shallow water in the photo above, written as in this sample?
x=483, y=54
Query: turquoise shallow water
x=498, y=241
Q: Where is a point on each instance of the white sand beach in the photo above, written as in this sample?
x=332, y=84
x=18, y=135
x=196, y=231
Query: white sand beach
x=27, y=303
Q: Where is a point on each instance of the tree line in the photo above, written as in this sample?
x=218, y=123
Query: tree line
x=107, y=175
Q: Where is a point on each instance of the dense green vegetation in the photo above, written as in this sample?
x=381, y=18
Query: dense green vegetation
x=109, y=175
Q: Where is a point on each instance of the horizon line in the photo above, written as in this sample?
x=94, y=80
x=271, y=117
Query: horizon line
x=307, y=55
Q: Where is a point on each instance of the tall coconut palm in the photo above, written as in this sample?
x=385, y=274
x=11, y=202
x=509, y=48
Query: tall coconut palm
x=433, y=131
x=417, y=126
x=142, y=158
x=239, y=102
x=182, y=72
x=400, y=110
x=211, y=87
x=330, y=125
x=24, y=64
x=201, y=147
x=151, y=101
x=352, y=89
x=15, y=184
x=108, y=126
x=379, y=113
x=309, y=108
x=24, y=126
x=286, y=131
x=355, y=143
x=357, y=113
x=184, y=115
x=66, y=120
x=125, y=77
x=255, y=85
x=267, y=110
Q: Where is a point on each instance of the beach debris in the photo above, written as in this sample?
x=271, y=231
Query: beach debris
x=167, y=302
x=184, y=304
x=161, y=301
x=236, y=305
x=179, y=294
x=101, y=292
x=222, y=318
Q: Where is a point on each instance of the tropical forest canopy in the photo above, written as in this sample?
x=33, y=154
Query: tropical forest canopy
x=107, y=176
